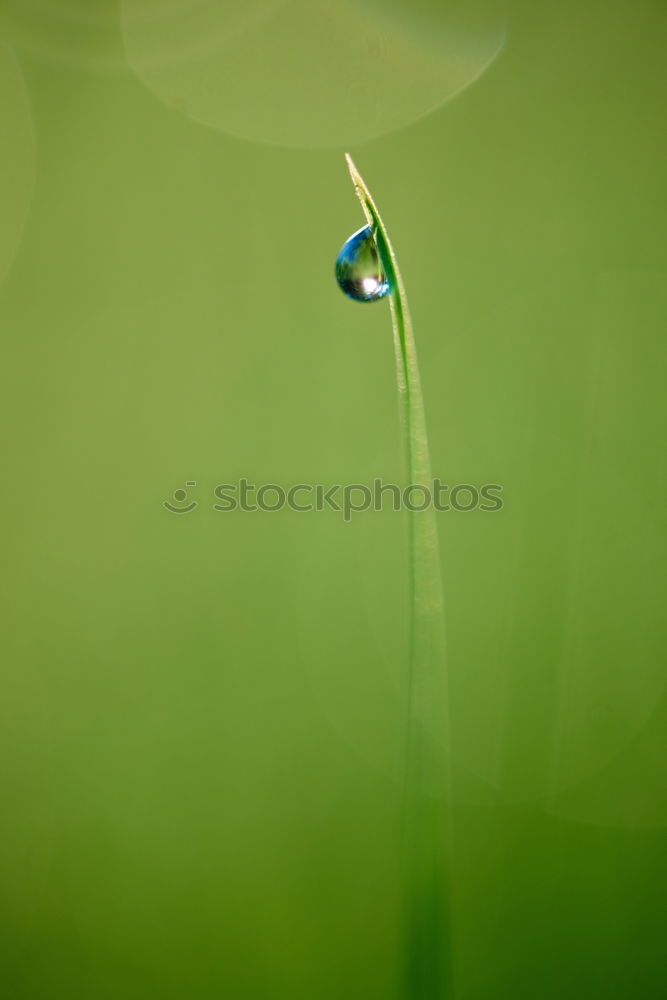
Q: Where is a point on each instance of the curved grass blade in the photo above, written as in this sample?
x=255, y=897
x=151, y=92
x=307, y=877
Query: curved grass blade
x=427, y=963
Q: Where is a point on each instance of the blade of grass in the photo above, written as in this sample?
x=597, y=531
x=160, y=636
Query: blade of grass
x=427, y=964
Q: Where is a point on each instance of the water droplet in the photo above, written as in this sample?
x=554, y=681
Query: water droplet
x=359, y=269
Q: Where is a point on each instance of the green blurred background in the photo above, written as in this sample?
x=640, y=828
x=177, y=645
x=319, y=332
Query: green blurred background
x=201, y=715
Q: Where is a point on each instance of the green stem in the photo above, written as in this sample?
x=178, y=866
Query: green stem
x=427, y=964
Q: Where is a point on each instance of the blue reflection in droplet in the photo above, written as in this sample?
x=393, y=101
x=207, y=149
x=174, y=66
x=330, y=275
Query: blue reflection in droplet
x=359, y=270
